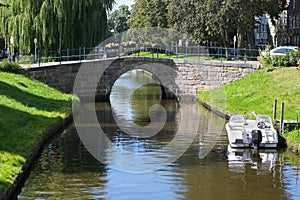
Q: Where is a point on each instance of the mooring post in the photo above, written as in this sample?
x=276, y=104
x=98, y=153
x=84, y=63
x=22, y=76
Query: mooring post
x=275, y=110
x=281, y=118
x=297, y=121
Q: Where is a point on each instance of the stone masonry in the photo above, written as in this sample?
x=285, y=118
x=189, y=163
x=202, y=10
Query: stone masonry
x=179, y=78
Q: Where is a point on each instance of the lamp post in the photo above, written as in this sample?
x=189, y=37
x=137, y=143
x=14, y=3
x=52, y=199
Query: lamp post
x=35, y=41
x=12, y=52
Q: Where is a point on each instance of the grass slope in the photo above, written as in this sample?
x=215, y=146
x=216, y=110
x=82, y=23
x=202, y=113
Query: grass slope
x=257, y=92
x=27, y=108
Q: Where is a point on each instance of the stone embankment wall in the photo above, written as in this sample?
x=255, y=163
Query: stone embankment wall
x=196, y=76
x=190, y=76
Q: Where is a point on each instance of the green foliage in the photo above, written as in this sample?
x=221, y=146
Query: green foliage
x=118, y=21
x=265, y=59
x=56, y=24
x=28, y=108
x=9, y=67
x=277, y=61
x=147, y=13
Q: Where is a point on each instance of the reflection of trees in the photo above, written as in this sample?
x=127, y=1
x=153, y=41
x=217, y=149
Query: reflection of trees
x=142, y=99
x=65, y=168
x=142, y=77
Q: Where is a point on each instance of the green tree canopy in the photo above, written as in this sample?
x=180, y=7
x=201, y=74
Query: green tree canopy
x=221, y=20
x=118, y=21
x=55, y=23
x=151, y=13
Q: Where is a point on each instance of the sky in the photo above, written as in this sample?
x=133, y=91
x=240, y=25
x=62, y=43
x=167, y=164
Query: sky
x=121, y=2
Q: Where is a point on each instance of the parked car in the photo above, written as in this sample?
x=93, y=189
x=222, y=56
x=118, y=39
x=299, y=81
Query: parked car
x=280, y=51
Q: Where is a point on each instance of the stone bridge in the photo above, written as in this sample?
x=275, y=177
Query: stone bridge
x=178, y=78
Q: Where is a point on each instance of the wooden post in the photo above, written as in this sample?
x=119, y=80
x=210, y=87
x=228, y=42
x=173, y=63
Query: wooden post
x=297, y=121
x=281, y=118
x=275, y=110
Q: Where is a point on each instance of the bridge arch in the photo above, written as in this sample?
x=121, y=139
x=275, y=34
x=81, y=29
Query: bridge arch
x=161, y=70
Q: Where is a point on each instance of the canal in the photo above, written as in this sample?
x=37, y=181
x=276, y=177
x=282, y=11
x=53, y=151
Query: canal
x=208, y=169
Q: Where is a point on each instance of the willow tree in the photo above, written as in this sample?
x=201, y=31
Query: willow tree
x=55, y=23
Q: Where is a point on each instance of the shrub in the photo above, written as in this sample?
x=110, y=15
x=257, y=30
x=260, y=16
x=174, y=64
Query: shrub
x=265, y=59
x=277, y=61
x=294, y=57
x=9, y=67
x=288, y=60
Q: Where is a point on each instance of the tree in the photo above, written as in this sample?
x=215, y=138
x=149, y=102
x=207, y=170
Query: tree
x=118, y=21
x=147, y=13
x=221, y=20
x=56, y=23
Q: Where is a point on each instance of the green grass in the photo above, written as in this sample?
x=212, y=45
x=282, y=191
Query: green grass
x=257, y=92
x=293, y=140
x=27, y=109
x=180, y=56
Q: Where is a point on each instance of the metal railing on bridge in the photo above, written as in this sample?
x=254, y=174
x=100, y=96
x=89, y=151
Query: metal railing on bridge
x=156, y=51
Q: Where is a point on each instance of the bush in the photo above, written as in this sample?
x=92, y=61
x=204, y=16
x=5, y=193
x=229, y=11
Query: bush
x=265, y=59
x=277, y=61
x=288, y=60
x=294, y=57
x=9, y=67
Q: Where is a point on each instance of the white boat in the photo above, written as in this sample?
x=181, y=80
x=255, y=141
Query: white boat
x=249, y=133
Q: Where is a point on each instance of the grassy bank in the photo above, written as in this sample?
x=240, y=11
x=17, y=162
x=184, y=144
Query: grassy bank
x=27, y=109
x=257, y=92
x=172, y=56
x=293, y=141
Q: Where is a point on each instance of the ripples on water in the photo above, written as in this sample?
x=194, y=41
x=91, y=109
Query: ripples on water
x=66, y=170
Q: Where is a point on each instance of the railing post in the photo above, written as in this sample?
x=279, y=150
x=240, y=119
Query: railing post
x=79, y=56
x=99, y=52
x=282, y=118
x=68, y=55
x=83, y=53
x=198, y=52
x=138, y=45
x=245, y=56
x=60, y=58
x=176, y=50
x=186, y=52
x=39, y=58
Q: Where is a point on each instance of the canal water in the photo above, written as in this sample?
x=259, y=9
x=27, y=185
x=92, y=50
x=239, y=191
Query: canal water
x=208, y=169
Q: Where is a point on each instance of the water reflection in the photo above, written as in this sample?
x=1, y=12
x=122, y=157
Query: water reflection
x=263, y=160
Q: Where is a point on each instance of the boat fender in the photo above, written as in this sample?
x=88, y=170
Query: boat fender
x=256, y=138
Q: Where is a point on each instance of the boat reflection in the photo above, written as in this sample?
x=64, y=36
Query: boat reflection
x=262, y=160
